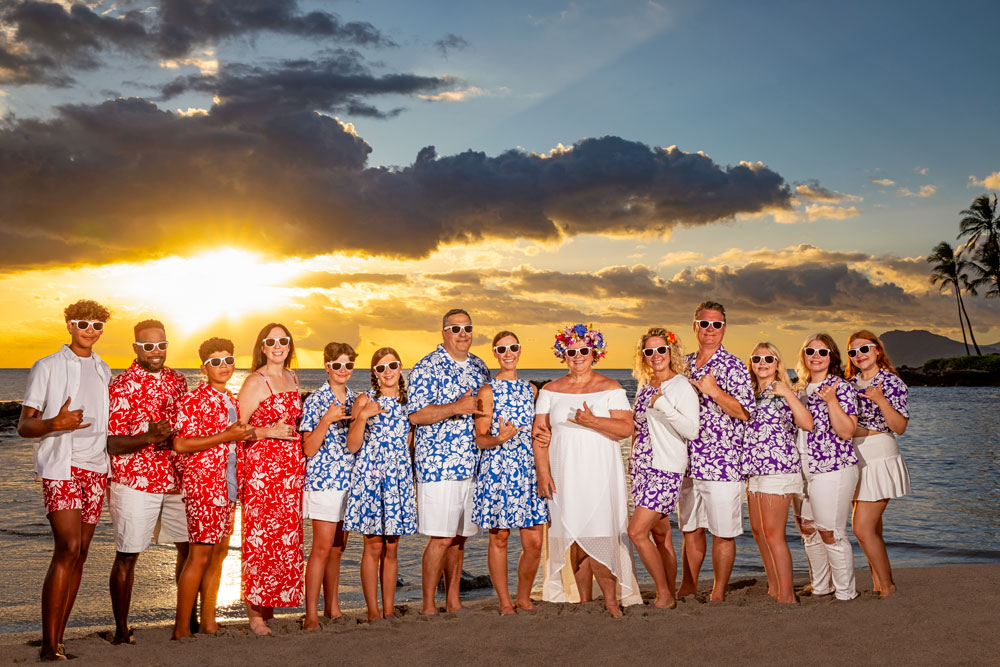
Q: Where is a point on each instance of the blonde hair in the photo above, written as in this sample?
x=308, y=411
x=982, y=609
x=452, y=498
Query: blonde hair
x=780, y=371
x=678, y=362
x=883, y=358
x=836, y=365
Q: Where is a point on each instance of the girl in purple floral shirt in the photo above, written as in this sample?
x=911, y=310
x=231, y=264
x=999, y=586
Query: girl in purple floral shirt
x=882, y=414
x=830, y=467
x=772, y=464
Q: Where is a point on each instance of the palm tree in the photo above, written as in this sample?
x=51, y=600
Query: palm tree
x=949, y=271
x=986, y=267
x=981, y=220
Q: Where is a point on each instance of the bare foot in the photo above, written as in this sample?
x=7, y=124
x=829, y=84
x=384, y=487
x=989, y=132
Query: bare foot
x=336, y=613
x=310, y=624
x=127, y=638
x=208, y=628
x=507, y=610
x=259, y=627
x=428, y=611
x=51, y=655
x=614, y=609
x=686, y=591
x=717, y=596
x=181, y=635
x=526, y=606
x=886, y=592
x=667, y=602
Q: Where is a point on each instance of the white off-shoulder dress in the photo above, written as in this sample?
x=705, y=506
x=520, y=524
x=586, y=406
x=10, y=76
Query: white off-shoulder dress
x=590, y=505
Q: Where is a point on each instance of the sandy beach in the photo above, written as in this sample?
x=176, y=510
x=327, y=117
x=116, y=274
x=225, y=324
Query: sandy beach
x=942, y=615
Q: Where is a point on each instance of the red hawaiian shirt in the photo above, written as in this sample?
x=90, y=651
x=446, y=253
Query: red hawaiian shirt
x=137, y=397
x=203, y=412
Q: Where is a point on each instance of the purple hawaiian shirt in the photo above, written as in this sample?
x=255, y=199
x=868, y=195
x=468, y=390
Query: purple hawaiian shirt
x=716, y=455
x=870, y=415
x=828, y=452
x=769, y=438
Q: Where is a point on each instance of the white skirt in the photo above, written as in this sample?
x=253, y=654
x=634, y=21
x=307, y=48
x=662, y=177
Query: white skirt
x=883, y=472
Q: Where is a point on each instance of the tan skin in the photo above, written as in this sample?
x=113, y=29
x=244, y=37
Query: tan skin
x=252, y=394
x=657, y=555
x=202, y=570
x=582, y=379
x=769, y=512
x=379, y=558
x=867, y=519
x=123, y=569
x=445, y=554
x=695, y=543
x=531, y=537
x=842, y=423
x=70, y=535
x=329, y=538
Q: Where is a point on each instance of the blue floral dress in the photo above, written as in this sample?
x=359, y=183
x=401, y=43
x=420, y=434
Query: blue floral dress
x=506, y=493
x=382, y=499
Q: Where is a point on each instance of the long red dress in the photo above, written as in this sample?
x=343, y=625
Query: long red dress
x=272, y=474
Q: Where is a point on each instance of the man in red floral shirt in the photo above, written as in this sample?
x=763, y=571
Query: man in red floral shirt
x=144, y=492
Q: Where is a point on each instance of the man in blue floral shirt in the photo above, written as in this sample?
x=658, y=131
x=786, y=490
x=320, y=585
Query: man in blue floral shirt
x=442, y=403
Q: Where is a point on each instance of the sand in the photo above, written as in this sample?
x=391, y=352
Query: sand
x=941, y=616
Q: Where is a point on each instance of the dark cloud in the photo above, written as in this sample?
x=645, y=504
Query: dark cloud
x=49, y=41
x=451, y=42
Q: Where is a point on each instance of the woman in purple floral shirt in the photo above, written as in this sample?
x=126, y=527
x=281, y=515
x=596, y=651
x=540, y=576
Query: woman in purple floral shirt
x=830, y=467
x=882, y=414
x=772, y=464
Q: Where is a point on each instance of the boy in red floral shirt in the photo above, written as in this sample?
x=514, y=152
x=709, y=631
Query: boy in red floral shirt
x=208, y=428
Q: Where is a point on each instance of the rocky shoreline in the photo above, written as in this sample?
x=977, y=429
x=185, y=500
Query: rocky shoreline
x=917, y=377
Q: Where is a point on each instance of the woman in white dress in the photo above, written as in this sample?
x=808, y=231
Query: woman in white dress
x=581, y=472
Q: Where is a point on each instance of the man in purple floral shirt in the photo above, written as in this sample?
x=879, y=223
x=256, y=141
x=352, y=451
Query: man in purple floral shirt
x=712, y=493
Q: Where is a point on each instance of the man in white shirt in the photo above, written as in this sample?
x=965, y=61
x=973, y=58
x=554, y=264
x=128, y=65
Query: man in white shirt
x=65, y=410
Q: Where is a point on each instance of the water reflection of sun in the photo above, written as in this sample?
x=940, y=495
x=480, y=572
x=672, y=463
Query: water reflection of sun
x=229, y=586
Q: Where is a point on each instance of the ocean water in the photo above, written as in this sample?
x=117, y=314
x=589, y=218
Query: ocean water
x=952, y=448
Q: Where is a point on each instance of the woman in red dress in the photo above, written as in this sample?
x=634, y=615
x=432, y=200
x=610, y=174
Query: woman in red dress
x=272, y=471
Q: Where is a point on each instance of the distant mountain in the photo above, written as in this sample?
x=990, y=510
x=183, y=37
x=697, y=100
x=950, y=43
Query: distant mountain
x=913, y=348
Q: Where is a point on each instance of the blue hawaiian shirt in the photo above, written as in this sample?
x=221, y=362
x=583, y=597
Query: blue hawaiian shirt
x=330, y=467
x=446, y=450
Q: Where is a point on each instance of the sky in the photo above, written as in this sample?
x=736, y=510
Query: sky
x=355, y=169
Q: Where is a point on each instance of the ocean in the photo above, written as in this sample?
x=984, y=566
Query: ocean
x=952, y=448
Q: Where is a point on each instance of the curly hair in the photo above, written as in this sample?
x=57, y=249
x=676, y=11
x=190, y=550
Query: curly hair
x=780, y=372
x=678, y=362
x=211, y=345
x=579, y=333
x=85, y=309
x=258, y=359
x=883, y=358
x=836, y=365
x=333, y=351
x=147, y=324
x=382, y=352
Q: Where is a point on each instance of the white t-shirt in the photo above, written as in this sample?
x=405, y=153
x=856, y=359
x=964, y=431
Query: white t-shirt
x=90, y=444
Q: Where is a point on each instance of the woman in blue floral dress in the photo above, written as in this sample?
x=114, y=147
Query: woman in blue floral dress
x=506, y=494
x=772, y=464
x=382, y=503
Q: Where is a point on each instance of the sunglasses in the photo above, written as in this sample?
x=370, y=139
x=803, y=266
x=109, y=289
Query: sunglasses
x=83, y=325
x=283, y=341
x=149, y=347
x=381, y=368
x=337, y=365
x=218, y=361
x=661, y=350
x=457, y=328
x=501, y=349
x=767, y=359
x=821, y=351
x=582, y=351
x=704, y=324
x=861, y=349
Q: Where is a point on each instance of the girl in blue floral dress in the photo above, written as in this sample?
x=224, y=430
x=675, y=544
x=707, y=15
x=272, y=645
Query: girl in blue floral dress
x=382, y=503
x=506, y=493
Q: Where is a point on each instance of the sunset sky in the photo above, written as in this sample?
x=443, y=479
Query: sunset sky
x=355, y=169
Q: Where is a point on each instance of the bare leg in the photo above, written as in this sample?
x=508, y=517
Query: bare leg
x=431, y=568
x=331, y=577
x=497, y=561
x=609, y=587
x=867, y=525
x=583, y=573
x=120, y=585
x=187, y=587
x=527, y=566
x=453, y=573
x=390, y=568
x=182, y=554
x=663, y=540
x=757, y=528
x=692, y=556
x=258, y=620
x=723, y=557
x=774, y=517
x=209, y=588
x=370, y=558
x=66, y=544
x=323, y=532
x=639, y=529
x=86, y=535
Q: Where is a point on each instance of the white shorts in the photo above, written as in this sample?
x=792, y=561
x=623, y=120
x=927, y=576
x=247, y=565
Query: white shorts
x=717, y=506
x=778, y=485
x=444, y=509
x=328, y=505
x=139, y=517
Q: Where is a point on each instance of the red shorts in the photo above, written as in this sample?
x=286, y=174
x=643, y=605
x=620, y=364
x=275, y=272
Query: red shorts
x=84, y=491
x=207, y=523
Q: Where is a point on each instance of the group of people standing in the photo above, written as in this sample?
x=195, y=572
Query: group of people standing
x=450, y=451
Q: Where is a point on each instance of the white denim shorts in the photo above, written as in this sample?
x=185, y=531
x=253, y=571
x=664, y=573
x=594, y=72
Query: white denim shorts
x=139, y=517
x=778, y=485
x=717, y=506
x=444, y=509
x=328, y=505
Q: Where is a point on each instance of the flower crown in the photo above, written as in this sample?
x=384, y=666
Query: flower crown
x=577, y=333
x=671, y=337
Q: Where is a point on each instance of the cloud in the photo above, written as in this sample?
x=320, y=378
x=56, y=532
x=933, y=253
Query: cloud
x=681, y=257
x=924, y=192
x=826, y=212
x=814, y=191
x=921, y=170
x=991, y=181
x=461, y=95
x=451, y=42
x=885, y=182
x=126, y=179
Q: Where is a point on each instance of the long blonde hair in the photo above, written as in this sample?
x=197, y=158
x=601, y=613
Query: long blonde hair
x=780, y=371
x=678, y=362
x=836, y=365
